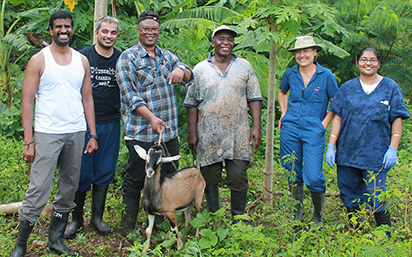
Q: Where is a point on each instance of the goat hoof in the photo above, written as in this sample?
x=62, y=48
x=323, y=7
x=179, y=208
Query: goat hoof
x=179, y=244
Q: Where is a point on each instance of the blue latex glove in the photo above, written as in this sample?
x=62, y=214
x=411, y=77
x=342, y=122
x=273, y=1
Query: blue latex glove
x=390, y=158
x=330, y=155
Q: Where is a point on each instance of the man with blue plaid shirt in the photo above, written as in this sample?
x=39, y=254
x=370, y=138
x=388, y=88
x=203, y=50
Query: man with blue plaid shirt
x=146, y=75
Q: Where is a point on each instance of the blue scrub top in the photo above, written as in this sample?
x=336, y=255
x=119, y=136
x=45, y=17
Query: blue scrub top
x=307, y=107
x=365, y=132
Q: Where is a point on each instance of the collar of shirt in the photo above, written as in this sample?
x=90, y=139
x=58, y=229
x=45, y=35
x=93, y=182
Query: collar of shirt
x=143, y=52
x=211, y=54
x=319, y=68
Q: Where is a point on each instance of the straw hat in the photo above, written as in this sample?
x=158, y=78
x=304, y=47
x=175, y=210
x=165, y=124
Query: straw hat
x=303, y=42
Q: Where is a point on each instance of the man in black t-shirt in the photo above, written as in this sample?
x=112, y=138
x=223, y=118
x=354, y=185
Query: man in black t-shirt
x=98, y=168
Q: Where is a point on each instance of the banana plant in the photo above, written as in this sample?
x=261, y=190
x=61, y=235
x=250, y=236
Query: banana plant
x=12, y=39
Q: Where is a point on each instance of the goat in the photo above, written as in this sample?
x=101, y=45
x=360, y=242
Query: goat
x=174, y=192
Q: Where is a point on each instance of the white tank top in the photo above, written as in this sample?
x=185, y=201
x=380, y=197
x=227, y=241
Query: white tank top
x=59, y=107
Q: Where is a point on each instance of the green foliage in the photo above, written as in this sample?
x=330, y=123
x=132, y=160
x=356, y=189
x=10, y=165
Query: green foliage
x=13, y=172
x=343, y=27
x=263, y=232
x=10, y=40
x=10, y=117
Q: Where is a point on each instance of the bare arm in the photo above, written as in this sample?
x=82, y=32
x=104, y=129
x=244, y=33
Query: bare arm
x=335, y=130
x=31, y=82
x=396, y=132
x=192, y=137
x=283, y=104
x=88, y=106
x=256, y=134
x=328, y=117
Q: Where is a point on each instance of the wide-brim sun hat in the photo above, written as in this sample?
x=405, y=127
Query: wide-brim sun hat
x=303, y=42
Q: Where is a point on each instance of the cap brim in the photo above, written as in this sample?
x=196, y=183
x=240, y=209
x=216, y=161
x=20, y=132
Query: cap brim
x=234, y=33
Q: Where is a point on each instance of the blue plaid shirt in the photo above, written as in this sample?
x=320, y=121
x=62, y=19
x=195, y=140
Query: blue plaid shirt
x=144, y=80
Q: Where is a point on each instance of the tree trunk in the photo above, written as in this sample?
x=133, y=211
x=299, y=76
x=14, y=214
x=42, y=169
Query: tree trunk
x=271, y=112
x=100, y=10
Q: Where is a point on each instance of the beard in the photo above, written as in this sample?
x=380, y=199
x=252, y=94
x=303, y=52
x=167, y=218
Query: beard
x=105, y=46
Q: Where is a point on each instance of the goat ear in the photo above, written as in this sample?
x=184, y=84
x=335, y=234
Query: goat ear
x=170, y=159
x=140, y=151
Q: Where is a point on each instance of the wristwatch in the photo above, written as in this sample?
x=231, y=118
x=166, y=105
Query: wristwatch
x=181, y=66
x=95, y=137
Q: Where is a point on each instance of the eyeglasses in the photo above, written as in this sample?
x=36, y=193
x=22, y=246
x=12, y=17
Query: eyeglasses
x=148, y=30
x=372, y=61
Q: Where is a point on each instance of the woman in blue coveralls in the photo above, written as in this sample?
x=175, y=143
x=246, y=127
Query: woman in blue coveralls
x=303, y=124
x=367, y=129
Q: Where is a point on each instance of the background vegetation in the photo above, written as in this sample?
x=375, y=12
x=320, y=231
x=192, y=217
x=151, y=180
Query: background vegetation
x=343, y=27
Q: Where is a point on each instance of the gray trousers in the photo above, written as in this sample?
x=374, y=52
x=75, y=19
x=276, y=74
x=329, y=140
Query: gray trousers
x=61, y=150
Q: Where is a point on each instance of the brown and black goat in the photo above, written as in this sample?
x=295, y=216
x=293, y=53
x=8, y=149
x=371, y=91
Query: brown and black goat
x=174, y=192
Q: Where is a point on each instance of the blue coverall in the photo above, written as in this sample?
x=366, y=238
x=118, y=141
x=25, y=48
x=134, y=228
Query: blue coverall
x=302, y=133
x=364, y=137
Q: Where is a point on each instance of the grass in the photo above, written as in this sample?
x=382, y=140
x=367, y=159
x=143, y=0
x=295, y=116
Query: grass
x=265, y=232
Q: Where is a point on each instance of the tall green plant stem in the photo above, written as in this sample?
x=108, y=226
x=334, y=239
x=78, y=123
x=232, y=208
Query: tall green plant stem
x=5, y=50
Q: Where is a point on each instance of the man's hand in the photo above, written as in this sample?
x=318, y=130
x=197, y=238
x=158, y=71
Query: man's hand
x=91, y=146
x=255, y=136
x=176, y=76
x=192, y=140
x=158, y=125
x=28, y=152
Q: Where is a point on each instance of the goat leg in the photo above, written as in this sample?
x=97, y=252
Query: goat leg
x=188, y=216
x=149, y=229
x=175, y=230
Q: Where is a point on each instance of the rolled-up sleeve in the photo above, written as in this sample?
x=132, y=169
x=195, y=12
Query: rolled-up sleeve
x=190, y=100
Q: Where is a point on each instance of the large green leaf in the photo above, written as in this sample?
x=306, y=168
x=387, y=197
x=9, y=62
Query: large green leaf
x=18, y=41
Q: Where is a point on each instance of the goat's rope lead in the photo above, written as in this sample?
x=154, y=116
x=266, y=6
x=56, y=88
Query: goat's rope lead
x=165, y=147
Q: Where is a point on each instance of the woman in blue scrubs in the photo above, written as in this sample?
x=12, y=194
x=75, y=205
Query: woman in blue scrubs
x=366, y=131
x=303, y=122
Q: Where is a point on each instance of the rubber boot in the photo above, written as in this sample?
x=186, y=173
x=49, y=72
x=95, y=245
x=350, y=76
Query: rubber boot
x=238, y=203
x=351, y=212
x=77, y=216
x=98, y=206
x=20, y=247
x=212, y=197
x=129, y=216
x=297, y=193
x=383, y=218
x=318, y=200
x=58, y=222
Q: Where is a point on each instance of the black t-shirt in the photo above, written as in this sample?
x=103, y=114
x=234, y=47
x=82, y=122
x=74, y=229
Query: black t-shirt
x=106, y=94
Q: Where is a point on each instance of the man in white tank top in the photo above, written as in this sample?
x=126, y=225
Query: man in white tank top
x=58, y=77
